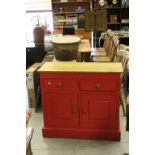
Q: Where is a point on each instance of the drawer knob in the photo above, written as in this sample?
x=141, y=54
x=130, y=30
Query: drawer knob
x=75, y=110
x=60, y=84
x=84, y=110
x=49, y=83
x=98, y=86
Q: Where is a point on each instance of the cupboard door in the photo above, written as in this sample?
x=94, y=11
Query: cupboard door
x=60, y=109
x=98, y=110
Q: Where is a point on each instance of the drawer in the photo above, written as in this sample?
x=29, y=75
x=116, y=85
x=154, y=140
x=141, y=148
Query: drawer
x=98, y=85
x=60, y=84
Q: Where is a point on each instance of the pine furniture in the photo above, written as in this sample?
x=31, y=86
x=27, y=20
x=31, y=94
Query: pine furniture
x=81, y=100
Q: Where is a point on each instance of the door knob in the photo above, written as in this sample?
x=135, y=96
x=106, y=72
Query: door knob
x=98, y=85
x=84, y=110
x=49, y=83
x=60, y=84
x=74, y=110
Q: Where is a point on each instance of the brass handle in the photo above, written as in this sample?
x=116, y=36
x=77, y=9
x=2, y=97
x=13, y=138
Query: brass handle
x=84, y=110
x=98, y=86
x=49, y=83
x=60, y=84
x=74, y=110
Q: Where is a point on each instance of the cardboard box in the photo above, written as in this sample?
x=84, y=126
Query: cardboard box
x=32, y=82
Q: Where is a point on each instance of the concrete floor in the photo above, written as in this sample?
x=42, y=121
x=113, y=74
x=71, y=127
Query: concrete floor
x=61, y=146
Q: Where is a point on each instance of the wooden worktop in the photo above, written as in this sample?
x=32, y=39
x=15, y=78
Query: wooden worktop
x=84, y=46
x=87, y=67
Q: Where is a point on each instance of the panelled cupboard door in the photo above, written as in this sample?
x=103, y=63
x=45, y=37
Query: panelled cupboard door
x=60, y=109
x=98, y=110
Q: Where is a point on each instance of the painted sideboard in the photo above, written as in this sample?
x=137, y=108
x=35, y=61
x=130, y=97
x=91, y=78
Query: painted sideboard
x=81, y=100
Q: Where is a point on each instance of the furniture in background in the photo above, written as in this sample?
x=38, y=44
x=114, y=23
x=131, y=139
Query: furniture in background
x=111, y=52
x=84, y=50
x=95, y=20
x=83, y=33
x=123, y=57
x=117, y=18
x=34, y=54
x=68, y=30
x=81, y=100
x=78, y=32
x=69, y=13
x=35, y=51
x=97, y=52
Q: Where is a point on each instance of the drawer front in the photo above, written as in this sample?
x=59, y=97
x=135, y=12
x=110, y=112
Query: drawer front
x=98, y=85
x=60, y=84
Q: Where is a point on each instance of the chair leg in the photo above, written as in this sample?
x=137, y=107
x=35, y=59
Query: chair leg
x=122, y=104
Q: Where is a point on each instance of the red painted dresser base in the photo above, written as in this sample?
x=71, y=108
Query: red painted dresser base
x=84, y=106
x=81, y=133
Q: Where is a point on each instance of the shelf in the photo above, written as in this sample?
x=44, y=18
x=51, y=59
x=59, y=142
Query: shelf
x=124, y=7
x=57, y=13
x=72, y=9
x=125, y=23
x=109, y=7
x=113, y=23
x=64, y=20
x=70, y=2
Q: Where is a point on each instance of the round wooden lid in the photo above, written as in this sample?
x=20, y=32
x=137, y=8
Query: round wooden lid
x=65, y=39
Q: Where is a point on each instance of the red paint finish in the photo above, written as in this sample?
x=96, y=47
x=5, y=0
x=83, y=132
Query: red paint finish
x=81, y=105
x=101, y=110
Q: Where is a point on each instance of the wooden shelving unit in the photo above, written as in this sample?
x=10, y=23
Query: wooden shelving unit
x=119, y=11
x=70, y=10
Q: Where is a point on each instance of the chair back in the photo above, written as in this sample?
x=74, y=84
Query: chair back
x=106, y=38
x=123, y=57
x=113, y=48
x=38, y=34
x=108, y=48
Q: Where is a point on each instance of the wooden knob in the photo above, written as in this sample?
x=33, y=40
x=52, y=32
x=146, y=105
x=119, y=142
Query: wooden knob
x=98, y=86
x=74, y=110
x=84, y=110
x=60, y=84
x=49, y=83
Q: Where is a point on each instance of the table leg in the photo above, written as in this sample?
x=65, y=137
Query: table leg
x=85, y=57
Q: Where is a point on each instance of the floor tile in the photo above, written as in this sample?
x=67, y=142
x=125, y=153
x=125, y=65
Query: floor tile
x=53, y=152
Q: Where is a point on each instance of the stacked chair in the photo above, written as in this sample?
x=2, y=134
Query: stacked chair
x=106, y=54
x=122, y=56
x=106, y=46
x=112, y=51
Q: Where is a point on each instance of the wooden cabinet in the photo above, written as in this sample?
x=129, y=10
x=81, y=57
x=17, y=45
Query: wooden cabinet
x=61, y=109
x=98, y=110
x=80, y=104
